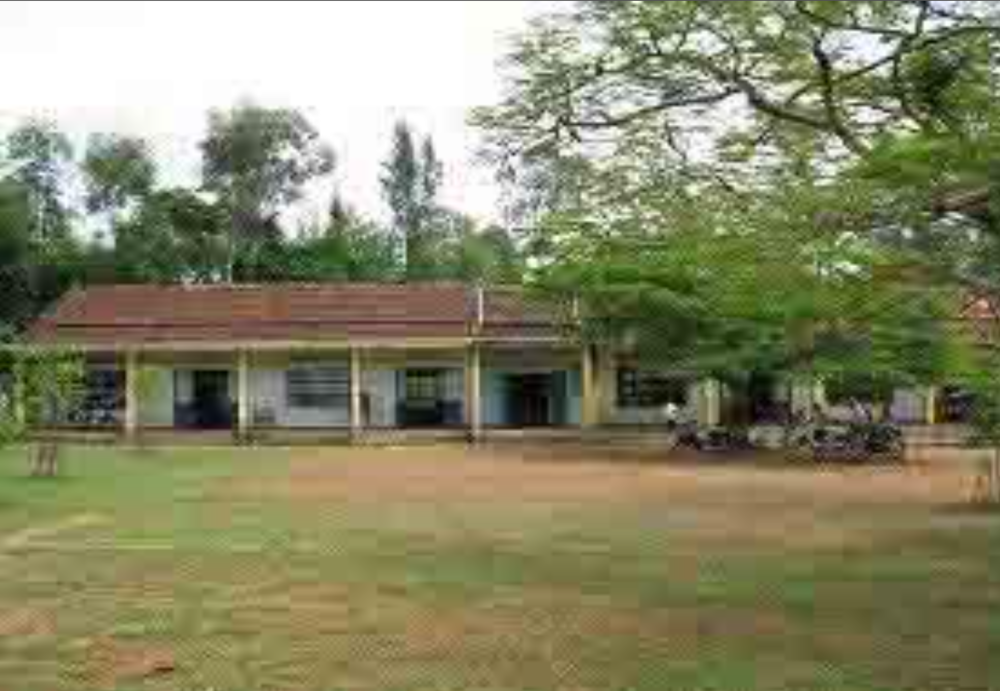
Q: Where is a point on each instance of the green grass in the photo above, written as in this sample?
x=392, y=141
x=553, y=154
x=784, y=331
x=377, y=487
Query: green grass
x=271, y=569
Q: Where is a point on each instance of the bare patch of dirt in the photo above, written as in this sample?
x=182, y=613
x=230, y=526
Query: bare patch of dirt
x=533, y=474
x=744, y=502
x=26, y=623
x=110, y=661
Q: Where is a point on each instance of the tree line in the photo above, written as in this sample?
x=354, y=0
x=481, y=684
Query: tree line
x=105, y=214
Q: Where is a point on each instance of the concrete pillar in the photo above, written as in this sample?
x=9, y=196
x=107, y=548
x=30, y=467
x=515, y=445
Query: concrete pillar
x=588, y=397
x=819, y=394
x=710, y=408
x=18, y=402
x=931, y=405
x=803, y=399
x=606, y=384
x=355, y=386
x=473, y=391
x=243, y=411
x=131, y=394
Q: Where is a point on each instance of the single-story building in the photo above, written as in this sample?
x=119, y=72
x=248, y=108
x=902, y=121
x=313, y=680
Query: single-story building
x=354, y=359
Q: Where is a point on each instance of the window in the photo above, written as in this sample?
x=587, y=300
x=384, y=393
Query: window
x=424, y=385
x=317, y=386
x=106, y=388
x=102, y=397
x=647, y=389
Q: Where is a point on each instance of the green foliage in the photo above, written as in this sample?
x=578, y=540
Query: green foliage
x=15, y=248
x=256, y=161
x=347, y=248
x=488, y=256
x=39, y=157
x=118, y=171
x=42, y=385
x=174, y=236
x=794, y=82
x=756, y=292
x=411, y=181
x=743, y=187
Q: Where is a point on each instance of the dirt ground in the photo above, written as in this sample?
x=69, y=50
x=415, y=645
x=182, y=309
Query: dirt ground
x=518, y=567
x=566, y=473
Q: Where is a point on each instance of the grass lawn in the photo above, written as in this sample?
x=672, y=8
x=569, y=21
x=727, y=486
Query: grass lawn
x=442, y=568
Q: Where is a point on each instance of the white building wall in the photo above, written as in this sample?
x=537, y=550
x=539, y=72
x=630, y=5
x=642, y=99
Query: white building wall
x=908, y=405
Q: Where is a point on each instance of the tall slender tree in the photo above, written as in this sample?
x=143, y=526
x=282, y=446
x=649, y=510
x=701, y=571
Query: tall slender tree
x=40, y=158
x=257, y=161
x=411, y=182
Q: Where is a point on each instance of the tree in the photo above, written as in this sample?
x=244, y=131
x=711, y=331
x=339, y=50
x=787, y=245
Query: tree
x=468, y=253
x=46, y=385
x=411, y=182
x=256, y=161
x=119, y=172
x=40, y=157
x=39, y=171
x=347, y=247
x=763, y=291
x=149, y=383
x=15, y=247
x=986, y=423
x=824, y=79
x=174, y=236
x=773, y=186
x=490, y=256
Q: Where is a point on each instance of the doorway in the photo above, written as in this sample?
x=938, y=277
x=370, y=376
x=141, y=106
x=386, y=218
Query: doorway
x=422, y=402
x=533, y=400
x=757, y=402
x=211, y=404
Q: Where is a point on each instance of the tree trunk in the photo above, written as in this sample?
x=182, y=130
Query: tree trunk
x=45, y=459
x=994, y=482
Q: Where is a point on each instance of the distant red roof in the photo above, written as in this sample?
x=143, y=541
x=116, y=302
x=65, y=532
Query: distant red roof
x=126, y=315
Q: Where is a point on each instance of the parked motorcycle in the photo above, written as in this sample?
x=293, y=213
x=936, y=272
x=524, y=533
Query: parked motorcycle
x=856, y=442
x=711, y=439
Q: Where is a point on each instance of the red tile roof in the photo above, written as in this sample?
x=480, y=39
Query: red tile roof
x=143, y=314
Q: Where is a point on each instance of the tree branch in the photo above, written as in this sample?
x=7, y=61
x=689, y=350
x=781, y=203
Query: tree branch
x=605, y=120
x=824, y=65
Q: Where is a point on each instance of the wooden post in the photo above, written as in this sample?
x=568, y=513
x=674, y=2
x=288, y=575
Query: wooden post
x=473, y=392
x=588, y=410
x=243, y=395
x=931, y=405
x=131, y=394
x=355, y=387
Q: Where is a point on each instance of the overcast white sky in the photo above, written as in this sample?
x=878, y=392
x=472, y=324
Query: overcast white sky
x=155, y=68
